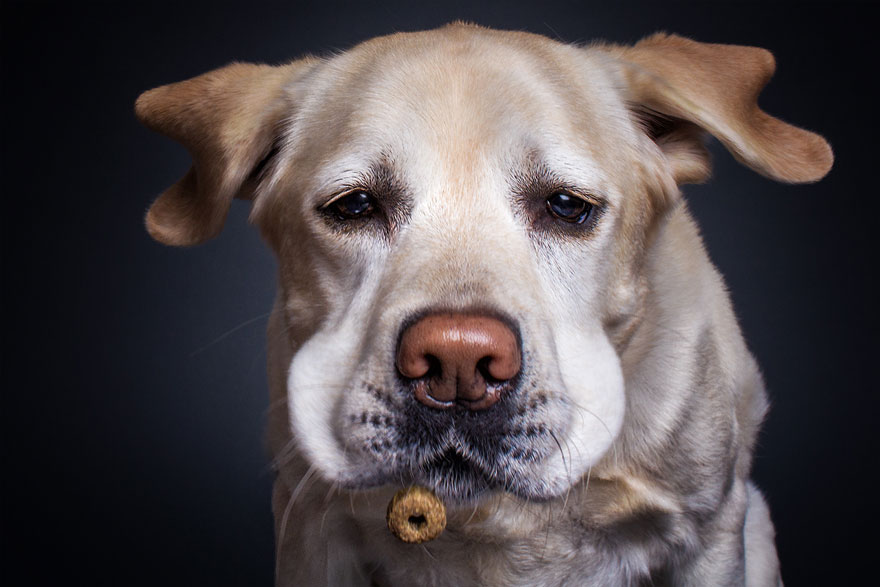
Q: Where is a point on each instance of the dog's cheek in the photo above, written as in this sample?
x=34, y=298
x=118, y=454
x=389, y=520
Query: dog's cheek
x=313, y=385
x=575, y=281
x=325, y=370
x=594, y=385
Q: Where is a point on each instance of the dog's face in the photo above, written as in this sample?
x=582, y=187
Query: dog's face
x=421, y=178
x=461, y=219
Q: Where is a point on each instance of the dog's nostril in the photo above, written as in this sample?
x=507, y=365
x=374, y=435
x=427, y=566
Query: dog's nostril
x=499, y=368
x=435, y=367
x=419, y=367
x=483, y=369
x=456, y=358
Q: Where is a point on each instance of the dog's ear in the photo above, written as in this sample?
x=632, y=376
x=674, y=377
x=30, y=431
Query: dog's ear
x=227, y=120
x=680, y=88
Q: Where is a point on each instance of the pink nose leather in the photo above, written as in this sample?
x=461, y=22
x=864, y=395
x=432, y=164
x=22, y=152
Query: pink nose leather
x=458, y=359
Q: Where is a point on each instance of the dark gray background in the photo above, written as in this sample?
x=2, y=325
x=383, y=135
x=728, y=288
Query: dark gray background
x=133, y=386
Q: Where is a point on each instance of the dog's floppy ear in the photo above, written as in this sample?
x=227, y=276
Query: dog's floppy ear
x=680, y=88
x=226, y=119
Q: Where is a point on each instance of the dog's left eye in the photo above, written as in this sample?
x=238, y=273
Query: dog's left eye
x=569, y=208
x=352, y=205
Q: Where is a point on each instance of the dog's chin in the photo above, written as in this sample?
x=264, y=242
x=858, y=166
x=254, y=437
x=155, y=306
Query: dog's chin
x=456, y=480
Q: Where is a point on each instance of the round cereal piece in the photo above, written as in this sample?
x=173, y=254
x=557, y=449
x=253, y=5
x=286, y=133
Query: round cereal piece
x=416, y=515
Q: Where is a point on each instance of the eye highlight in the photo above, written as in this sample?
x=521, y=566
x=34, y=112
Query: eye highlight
x=569, y=208
x=356, y=204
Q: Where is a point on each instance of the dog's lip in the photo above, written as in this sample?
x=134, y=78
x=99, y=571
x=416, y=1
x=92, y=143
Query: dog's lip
x=455, y=478
x=452, y=476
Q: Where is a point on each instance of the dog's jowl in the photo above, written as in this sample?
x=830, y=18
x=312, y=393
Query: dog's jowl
x=491, y=289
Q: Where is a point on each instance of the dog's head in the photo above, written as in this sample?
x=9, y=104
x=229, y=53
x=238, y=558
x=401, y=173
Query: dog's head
x=461, y=218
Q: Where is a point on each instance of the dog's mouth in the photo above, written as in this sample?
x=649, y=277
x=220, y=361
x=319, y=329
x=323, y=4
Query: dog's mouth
x=455, y=478
x=460, y=455
x=451, y=475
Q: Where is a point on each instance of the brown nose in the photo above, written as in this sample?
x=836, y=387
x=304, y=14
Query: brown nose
x=458, y=359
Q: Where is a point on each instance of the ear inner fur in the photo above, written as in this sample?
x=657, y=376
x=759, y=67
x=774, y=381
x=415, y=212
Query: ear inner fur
x=716, y=87
x=225, y=119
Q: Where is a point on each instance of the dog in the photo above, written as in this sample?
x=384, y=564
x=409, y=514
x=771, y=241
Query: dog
x=490, y=286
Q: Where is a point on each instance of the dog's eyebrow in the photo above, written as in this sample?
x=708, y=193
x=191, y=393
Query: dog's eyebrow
x=388, y=186
x=534, y=177
x=377, y=176
x=534, y=173
x=381, y=177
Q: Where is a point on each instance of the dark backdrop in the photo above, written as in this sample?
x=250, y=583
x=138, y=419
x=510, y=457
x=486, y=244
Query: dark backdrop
x=133, y=386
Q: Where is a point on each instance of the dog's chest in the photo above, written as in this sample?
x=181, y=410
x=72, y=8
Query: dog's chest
x=548, y=559
x=529, y=546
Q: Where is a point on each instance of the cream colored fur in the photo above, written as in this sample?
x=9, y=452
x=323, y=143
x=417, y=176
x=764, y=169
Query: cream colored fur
x=639, y=401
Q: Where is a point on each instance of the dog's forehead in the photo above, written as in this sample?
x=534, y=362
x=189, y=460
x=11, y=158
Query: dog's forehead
x=462, y=94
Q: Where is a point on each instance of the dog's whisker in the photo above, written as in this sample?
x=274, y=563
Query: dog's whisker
x=428, y=552
x=279, y=547
x=473, y=513
x=611, y=436
x=568, y=489
x=306, y=478
x=286, y=515
x=586, y=410
x=229, y=333
x=281, y=402
x=547, y=525
x=332, y=491
x=351, y=503
x=290, y=449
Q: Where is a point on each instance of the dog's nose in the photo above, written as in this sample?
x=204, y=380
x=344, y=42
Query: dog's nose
x=458, y=359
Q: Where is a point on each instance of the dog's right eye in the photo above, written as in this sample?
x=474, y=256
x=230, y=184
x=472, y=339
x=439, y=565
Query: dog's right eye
x=569, y=208
x=352, y=205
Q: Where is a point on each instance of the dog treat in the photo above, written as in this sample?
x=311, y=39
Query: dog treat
x=416, y=515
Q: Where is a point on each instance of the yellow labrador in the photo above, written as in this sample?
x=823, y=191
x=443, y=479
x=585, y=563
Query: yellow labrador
x=491, y=286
